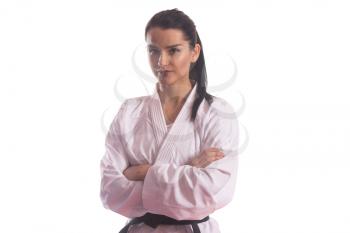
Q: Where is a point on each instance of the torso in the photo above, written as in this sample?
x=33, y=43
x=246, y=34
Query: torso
x=142, y=142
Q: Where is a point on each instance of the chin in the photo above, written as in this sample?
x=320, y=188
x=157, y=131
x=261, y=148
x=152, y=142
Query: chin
x=168, y=80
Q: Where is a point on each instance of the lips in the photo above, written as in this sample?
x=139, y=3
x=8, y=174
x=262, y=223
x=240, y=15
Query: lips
x=163, y=73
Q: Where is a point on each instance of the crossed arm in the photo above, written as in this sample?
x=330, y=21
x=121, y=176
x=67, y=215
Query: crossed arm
x=189, y=191
x=138, y=172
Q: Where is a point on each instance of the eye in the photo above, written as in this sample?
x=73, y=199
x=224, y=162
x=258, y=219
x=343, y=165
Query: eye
x=174, y=50
x=151, y=50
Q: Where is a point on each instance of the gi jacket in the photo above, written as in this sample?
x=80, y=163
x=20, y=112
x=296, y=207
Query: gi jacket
x=138, y=134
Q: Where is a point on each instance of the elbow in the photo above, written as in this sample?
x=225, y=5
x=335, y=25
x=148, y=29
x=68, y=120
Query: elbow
x=124, y=202
x=105, y=198
x=112, y=202
x=225, y=195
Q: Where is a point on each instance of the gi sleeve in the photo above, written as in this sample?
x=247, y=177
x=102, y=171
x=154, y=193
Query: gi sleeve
x=117, y=193
x=186, y=192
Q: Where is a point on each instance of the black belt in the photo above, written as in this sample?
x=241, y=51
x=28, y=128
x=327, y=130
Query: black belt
x=153, y=220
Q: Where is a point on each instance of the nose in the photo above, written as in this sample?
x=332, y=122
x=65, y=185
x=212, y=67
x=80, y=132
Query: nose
x=163, y=60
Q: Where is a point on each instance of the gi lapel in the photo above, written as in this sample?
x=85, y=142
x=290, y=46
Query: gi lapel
x=178, y=131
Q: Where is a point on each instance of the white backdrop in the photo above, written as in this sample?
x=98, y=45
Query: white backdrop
x=64, y=65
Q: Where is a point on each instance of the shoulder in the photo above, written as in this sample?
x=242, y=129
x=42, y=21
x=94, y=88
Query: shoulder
x=217, y=117
x=129, y=111
x=134, y=101
x=221, y=118
x=220, y=124
x=221, y=108
x=132, y=105
x=218, y=108
x=129, y=108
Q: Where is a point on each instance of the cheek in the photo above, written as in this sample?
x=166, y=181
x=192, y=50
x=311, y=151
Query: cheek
x=152, y=60
x=182, y=64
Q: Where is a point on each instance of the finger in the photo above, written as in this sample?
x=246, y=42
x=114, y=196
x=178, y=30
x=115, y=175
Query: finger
x=211, y=149
x=207, y=154
x=214, y=149
x=219, y=157
x=212, y=159
x=211, y=153
x=204, y=165
x=207, y=163
x=220, y=153
x=209, y=160
x=206, y=157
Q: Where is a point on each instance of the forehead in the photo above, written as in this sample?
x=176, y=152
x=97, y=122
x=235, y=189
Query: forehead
x=159, y=37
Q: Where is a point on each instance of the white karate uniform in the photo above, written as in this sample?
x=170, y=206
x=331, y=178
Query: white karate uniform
x=138, y=135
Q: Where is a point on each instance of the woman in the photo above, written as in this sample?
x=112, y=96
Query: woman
x=171, y=157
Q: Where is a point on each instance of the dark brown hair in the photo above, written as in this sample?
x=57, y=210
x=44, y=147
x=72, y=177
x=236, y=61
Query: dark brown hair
x=176, y=19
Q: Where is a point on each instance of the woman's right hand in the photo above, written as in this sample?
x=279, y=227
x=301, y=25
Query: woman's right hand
x=206, y=157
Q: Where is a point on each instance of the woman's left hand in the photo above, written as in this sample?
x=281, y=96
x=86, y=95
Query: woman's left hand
x=137, y=172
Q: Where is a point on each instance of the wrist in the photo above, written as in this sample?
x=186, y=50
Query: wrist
x=145, y=170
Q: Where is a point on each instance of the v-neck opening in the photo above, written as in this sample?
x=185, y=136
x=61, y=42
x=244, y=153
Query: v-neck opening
x=179, y=115
x=163, y=136
x=169, y=126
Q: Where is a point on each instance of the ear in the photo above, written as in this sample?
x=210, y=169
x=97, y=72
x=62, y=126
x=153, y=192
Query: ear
x=195, y=52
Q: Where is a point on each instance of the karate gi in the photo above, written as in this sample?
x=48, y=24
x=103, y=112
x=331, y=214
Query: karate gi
x=138, y=135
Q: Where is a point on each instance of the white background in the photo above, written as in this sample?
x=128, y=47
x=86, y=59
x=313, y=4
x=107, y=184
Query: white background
x=59, y=63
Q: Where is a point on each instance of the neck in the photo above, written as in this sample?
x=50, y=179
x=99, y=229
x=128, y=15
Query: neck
x=174, y=94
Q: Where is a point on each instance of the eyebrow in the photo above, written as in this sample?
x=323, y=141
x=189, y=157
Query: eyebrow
x=170, y=46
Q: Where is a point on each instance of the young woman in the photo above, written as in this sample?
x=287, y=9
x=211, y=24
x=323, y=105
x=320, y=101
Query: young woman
x=171, y=157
